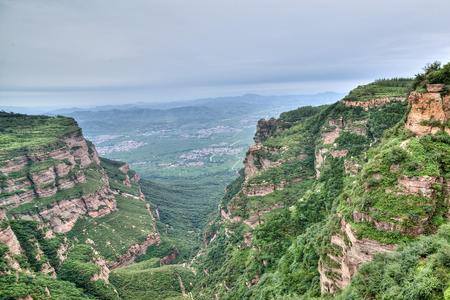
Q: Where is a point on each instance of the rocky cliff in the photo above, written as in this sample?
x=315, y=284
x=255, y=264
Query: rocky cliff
x=400, y=194
x=64, y=211
x=291, y=182
x=266, y=129
x=57, y=186
x=430, y=111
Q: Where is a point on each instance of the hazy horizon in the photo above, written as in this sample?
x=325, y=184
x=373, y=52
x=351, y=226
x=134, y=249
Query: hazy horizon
x=101, y=52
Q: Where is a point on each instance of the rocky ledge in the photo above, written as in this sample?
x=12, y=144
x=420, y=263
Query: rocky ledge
x=371, y=103
x=430, y=111
x=337, y=269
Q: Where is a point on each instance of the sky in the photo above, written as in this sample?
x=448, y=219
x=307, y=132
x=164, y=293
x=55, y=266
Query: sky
x=96, y=52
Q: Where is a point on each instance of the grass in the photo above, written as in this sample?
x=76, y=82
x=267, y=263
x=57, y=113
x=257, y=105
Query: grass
x=366, y=230
x=143, y=281
x=22, y=133
x=398, y=87
x=377, y=192
x=116, y=177
x=113, y=234
x=184, y=210
x=21, y=285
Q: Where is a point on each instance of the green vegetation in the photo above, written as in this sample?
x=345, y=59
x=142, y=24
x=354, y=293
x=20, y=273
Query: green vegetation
x=282, y=259
x=268, y=246
x=186, y=155
x=39, y=287
x=384, y=118
x=298, y=115
x=417, y=271
x=354, y=143
x=378, y=194
x=114, y=233
x=33, y=242
x=22, y=133
x=433, y=73
x=179, y=208
x=144, y=281
x=79, y=268
x=117, y=177
x=397, y=87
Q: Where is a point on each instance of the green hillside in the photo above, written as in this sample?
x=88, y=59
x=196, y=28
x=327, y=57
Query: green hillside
x=296, y=221
x=344, y=201
x=145, y=281
x=20, y=133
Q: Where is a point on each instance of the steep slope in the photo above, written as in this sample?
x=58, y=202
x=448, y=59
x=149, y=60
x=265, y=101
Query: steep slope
x=277, y=218
x=67, y=216
x=49, y=173
x=149, y=280
x=400, y=194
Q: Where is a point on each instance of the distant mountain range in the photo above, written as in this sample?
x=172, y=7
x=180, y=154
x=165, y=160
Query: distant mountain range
x=319, y=98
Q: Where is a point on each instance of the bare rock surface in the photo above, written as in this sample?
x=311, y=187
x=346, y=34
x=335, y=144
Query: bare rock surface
x=371, y=103
x=429, y=112
x=354, y=252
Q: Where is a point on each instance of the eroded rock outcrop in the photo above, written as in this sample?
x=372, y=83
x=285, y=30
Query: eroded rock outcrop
x=262, y=189
x=255, y=161
x=62, y=215
x=430, y=111
x=43, y=176
x=337, y=269
x=8, y=238
x=135, y=250
x=327, y=145
x=266, y=129
x=371, y=103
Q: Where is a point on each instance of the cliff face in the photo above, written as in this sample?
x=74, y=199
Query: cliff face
x=69, y=180
x=353, y=251
x=400, y=193
x=266, y=129
x=291, y=182
x=430, y=111
x=371, y=103
x=59, y=202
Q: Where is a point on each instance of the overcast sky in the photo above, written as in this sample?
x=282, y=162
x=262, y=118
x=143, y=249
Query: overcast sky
x=79, y=52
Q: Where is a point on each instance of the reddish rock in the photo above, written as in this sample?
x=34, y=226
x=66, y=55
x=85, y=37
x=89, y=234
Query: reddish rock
x=429, y=113
x=169, y=259
x=319, y=160
x=14, y=165
x=417, y=185
x=354, y=252
x=339, y=153
x=377, y=102
x=435, y=88
x=262, y=189
x=351, y=167
x=135, y=251
x=329, y=137
x=125, y=168
x=254, y=164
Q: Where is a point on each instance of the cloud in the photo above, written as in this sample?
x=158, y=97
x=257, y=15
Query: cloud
x=77, y=51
